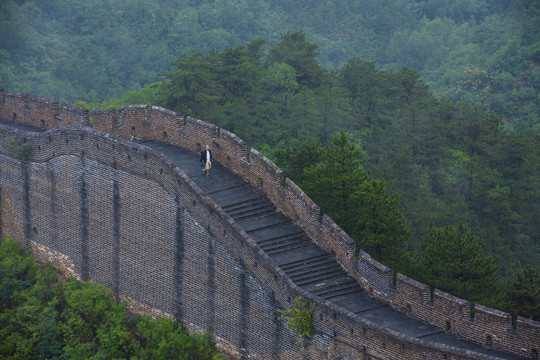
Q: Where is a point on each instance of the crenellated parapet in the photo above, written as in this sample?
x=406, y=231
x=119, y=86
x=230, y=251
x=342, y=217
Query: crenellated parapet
x=40, y=112
x=71, y=134
x=376, y=278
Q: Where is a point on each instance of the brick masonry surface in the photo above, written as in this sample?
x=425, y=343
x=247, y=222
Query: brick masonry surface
x=109, y=210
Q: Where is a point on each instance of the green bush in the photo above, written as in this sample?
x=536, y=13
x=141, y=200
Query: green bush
x=42, y=318
x=300, y=319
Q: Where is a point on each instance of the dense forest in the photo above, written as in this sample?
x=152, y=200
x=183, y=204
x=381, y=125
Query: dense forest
x=414, y=124
x=45, y=316
x=480, y=51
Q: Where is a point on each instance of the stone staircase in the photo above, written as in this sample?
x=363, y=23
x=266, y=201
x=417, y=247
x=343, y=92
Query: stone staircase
x=307, y=265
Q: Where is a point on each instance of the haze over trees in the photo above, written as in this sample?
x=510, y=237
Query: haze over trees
x=420, y=118
x=484, y=52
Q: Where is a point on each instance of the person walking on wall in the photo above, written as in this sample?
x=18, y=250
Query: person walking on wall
x=206, y=161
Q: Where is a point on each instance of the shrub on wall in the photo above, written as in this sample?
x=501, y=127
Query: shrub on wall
x=300, y=319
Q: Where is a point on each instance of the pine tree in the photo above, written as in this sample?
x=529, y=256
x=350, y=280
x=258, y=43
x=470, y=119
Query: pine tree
x=379, y=227
x=359, y=204
x=296, y=52
x=524, y=294
x=454, y=261
x=294, y=158
x=332, y=181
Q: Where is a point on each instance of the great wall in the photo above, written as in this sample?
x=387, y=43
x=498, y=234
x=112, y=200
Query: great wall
x=120, y=201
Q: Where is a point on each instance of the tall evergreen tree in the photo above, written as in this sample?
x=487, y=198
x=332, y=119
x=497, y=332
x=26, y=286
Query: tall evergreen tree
x=379, y=226
x=294, y=50
x=359, y=204
x=453, y=260
x=294, y=158
x=194, y=88
x=524, y=294
x=332, y=181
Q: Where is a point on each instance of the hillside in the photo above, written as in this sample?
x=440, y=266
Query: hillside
x=392, y=164
x=480, y=51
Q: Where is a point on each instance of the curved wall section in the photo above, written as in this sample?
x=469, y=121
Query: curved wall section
x=107, y=209
x=114, y=212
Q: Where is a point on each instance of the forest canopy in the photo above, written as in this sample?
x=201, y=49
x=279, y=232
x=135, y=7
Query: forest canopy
x=484, y=52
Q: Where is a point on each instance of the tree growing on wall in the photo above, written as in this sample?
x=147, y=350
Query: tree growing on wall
x=300, y=319
x=20, y=151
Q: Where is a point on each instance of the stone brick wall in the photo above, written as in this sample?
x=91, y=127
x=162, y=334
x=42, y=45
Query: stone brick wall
x=82, y=210
x=77, y=199
x=39, y=112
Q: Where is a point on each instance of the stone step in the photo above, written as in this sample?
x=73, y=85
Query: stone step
x=239, y=193
x=280, y=248
x=312, y=272
x=310, y=264
x=290, y=236
x=333, y=278
x=251, y=209
x=271, y=222
x=277, y=225
x=342, y=292
x=291, y=265
x=232, y=188
x=255, y=215
x=245, y=203
x=346, y=288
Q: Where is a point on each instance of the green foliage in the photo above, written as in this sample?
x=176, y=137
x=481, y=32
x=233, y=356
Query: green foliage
x=300, y=319
x=104, y=48
x=361, y=205
x=332, y=181
x=468, y=154
x=524, y=294
x=42, y=318
x=293, y=50
x=379, y=227
x=238, y=90
x=195, y=87
x=295, y=157
x=166, y=339
x=149, y=95
x=20, y=151
x=453, y=260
